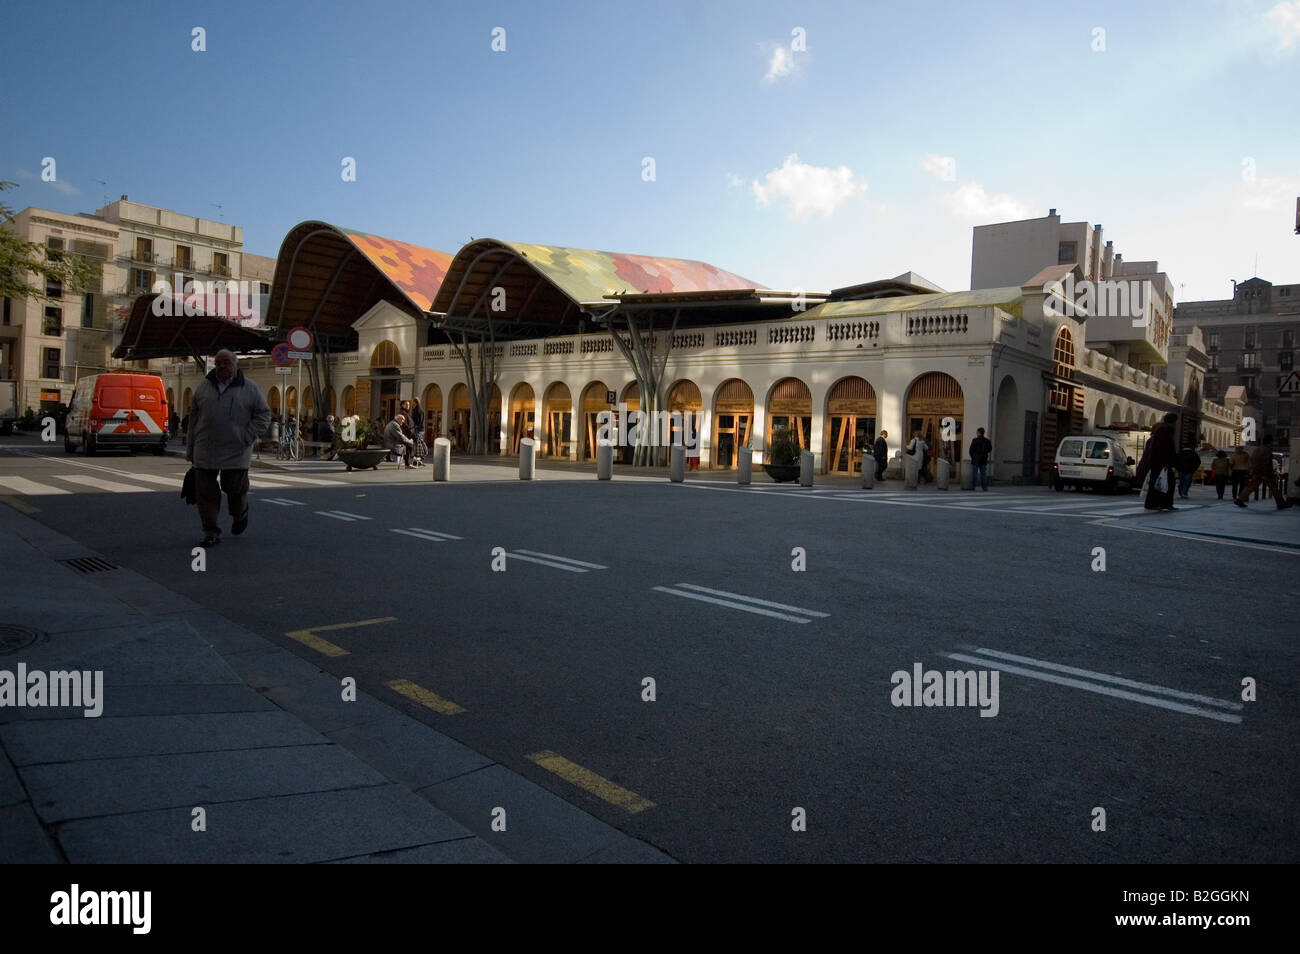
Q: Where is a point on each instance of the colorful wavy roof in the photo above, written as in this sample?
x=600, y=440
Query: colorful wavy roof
x=588, y=276
x=416, y=271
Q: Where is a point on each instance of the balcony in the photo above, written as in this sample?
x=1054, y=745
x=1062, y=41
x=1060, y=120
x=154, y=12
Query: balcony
x=139, y=255
x=221, y=270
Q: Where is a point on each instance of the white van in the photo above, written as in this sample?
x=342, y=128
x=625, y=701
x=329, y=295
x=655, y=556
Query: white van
x=1093, y=460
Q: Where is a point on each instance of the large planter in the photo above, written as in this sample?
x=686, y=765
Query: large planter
x=370, y=457
x=782, y=472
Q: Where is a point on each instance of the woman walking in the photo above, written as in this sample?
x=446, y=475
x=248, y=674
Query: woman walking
x=1158, y=461
x=1220, y=469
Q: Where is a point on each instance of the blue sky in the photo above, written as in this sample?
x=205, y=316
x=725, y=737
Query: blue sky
x=546, y=142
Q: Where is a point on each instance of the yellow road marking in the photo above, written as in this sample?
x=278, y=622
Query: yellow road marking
x=602, y=788
x=308, y=637
x=19, y=505
x=424, y=697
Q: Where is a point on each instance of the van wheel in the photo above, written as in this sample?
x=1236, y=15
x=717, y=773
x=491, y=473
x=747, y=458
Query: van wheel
x=68, y=447
x=1057, y=486
x=1108, y=487
x=90, y=445
x=158, y=450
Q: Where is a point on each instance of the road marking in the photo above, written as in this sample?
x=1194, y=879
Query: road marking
x=747, y=603
x=19, y=505
x=564, y=559
x=435, y=536
x=424, y=697
x=1222, y=539
x=308, y=637
x=109, y=485
x=283, y=501
x=261, y=483
x=341, y=515
x=589, y=781
x=30, y=487
x=306, y=480
x=573, y=566
x=991, y=657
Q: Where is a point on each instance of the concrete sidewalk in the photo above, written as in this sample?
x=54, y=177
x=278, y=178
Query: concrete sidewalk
x=198, y=712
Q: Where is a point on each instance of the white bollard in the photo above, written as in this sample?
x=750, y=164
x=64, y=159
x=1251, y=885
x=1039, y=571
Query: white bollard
x=805, y=468
x=677, y=463
x=604, y=460
x=868, y=473
x=527, y=458
x=911, y=472
x=744, y=466
x=967, y=475
x=442, y=459
x=944, y=467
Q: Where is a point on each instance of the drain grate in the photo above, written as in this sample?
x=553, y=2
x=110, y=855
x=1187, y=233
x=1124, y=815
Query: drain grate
x=90, y=564
x=14, y=639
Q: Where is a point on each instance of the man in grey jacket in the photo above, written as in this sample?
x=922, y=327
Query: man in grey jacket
x=227, y=416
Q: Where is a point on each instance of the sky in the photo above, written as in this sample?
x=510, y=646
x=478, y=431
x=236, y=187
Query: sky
x=803, y=145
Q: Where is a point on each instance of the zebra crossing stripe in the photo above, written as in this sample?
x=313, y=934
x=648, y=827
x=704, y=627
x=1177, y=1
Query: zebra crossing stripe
x=102, y=484
x=283, y=501
x=341, y=515
x=750, y=604
x=554, y=561
x=30, y=487
x=552, y=556
x=431, y=535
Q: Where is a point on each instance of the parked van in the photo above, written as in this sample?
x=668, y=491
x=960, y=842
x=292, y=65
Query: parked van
x=117, y=410
x=1093, y=460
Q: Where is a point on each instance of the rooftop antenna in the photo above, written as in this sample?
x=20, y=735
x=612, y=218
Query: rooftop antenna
x=104, y=184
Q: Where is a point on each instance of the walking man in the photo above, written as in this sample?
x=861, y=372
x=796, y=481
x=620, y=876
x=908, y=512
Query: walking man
x=1188, y=462
x=1261, y=475
x=880, y=450
x=980, y=449
x=229, y=413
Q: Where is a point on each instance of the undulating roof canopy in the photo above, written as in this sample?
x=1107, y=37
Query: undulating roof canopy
x=178, y=335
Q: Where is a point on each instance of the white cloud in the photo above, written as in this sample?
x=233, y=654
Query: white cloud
x=970, y=201
x=1285, y=18
x=941, y=167
x=808, y=189
x=780, y=64
x=1270, y=194
x=67, y=188
x=734, y=181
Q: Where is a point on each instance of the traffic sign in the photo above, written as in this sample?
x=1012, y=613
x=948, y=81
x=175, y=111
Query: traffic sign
x=280, y=355
x=300, y=339
x=1290, y=384
x=284, y=370
x=304, y=355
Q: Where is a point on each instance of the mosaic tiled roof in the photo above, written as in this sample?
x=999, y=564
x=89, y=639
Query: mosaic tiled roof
x=416, y=270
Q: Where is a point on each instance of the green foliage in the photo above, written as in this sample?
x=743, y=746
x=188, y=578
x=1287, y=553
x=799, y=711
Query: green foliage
x=19, y=259
x=364, y=435
x=784, y=448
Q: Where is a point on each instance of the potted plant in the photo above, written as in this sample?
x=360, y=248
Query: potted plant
x=784, y=454
x=352, y=440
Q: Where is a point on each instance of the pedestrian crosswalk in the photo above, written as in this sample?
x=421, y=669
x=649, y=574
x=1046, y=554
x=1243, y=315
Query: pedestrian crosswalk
x=127, y=482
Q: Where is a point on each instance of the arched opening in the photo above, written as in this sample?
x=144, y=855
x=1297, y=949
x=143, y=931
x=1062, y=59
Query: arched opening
x=1115, y=415
x=557, y=409
x=1099, y=415
x=460, y=407
x=273, y=402
x=1065, y=410
x=308, y=405
x=186, y=398
x=349, y=401
x=291, y=402
x=1007, y=460
x=851, y=416
x=733, y=415
x=432, y=413
x=789, y=407
x=523, y=413
x=331, y=404
x=594, y=401
x=933, y=397
x=685, y=399
x=386, y=365
x=632, y=398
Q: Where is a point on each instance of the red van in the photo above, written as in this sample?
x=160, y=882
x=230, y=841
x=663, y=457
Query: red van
x=117, y=409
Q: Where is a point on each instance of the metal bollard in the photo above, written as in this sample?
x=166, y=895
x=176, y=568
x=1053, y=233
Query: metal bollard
x=677, y=463
x=868, y=472
x=442, y=459
x=527, y=458
x=967, y=475
x=604, y=460
x=944, y=468
x=911, y=472
x=805, y=468
x=744, y=466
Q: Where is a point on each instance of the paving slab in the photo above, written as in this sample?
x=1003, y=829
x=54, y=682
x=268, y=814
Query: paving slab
x=154, y=700
x=23, y=840
x=409, y=752
x=462, y=851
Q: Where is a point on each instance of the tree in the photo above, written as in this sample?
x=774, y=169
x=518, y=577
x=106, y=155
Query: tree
x=638, y=349
x=20, y=259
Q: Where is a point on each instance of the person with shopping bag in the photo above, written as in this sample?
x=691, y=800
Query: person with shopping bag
x=1158, y=459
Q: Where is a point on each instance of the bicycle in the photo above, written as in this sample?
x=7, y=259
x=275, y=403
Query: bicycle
x=290, y=446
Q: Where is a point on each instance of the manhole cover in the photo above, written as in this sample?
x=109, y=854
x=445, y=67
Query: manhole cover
x=14, y=639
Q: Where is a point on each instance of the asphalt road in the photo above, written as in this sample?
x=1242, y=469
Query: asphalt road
x=758, y=714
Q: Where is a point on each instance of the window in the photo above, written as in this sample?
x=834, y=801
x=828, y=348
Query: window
x=51, y=367
x=53, y=321
x=144, y=250
x=1065, y=253
x=53, y=288
x=184, y=257
x=1212, y=388
x=221, y=263
x=142, y=279
x=1098, y=450
x=88, y=310
x=1286, y=360
x=1250, y=341
x=1250, y=360
x=1288, y=339
x=1212, y=341
x=1284, y=292
x=264, y=288
x=1213, y=363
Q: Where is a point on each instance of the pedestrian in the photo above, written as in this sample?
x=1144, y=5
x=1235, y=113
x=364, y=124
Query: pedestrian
x=173, y=422
x=417, y=418
x=1220, y=468
x=1158, y=462
x=1261, y=474
x=327, y=435
x=397, y=441
x=980, y=449
x=1187, y=462
x=916, y=449
x=881, y=452
x=228, y=414
x=1240, y=463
